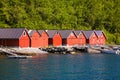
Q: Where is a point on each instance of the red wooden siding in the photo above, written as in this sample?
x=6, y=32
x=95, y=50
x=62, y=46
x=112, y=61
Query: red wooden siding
x=24, y=40
x=57, y=40
x=81, y=40
x=18, y=37
x=9, y=42
x=71, y=40
x=93, y=39
x=101, y=40
x=35, y=40
x=44, y=39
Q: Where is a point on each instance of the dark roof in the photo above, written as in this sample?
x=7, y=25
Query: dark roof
x=65, y=33
x=41, y=31
x=98, y=32
x=30, y=32
x=11, y=33
x=77, y=32
x=51, y=33
x=88, y=33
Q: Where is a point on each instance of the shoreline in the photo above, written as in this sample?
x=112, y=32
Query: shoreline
x=19, y=52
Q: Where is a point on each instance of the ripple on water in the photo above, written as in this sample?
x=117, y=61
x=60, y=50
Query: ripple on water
x=62, y=67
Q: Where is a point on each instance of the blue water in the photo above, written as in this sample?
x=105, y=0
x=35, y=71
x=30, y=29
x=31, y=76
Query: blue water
x=62, y=67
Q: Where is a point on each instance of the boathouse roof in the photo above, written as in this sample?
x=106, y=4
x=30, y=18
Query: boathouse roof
x=30, y=32
x=77, y=32
x=88, y=33
x=98, y=32
x=11, y=33
x=41, y=31
x=65, y=33
x=51, y=33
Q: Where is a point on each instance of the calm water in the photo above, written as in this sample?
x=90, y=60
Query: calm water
x=62, y=67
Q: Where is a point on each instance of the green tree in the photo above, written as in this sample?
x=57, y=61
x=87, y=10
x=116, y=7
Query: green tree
x=63, y=14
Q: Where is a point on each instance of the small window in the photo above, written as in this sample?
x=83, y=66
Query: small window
x=24, y=33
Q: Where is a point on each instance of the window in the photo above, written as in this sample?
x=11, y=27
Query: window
x=24, y=33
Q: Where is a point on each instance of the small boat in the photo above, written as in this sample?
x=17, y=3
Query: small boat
x=19, y=57
x=111, y=51
x=117, y=51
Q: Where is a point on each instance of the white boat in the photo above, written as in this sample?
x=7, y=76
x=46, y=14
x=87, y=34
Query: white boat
x=117, y=51
x=111, y=51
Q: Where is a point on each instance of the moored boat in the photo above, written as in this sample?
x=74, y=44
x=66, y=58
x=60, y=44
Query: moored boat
x=19, y=57
x=111, y=51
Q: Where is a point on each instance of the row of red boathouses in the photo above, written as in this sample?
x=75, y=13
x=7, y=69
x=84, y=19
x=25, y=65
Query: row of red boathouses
x=21, y=37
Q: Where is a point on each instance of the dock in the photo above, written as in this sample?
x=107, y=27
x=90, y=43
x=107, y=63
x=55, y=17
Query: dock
x=20, y=53
x=9, y=52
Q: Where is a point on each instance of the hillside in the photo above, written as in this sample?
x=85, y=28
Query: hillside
x=63, y=14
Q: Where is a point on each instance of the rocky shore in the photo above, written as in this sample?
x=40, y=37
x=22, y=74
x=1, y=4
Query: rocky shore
x=20, y=52
x=83, y=49
x=27, y=52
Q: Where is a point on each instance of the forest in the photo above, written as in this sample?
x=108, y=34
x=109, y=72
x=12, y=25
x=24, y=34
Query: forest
x=63, y=14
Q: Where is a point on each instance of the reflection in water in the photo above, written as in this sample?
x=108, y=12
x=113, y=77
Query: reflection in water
x=62, y=67
x=29, y=67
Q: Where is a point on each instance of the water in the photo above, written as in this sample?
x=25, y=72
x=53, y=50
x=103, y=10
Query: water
x=62, y=67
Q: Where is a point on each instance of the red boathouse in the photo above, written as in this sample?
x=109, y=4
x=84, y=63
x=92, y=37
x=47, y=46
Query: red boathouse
x=91, y=37
x=80, y=40
x=44, y=38
x=14, y=37
x=68, y=37
x=101, y=37
x=55, y=38
x=35, y=38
